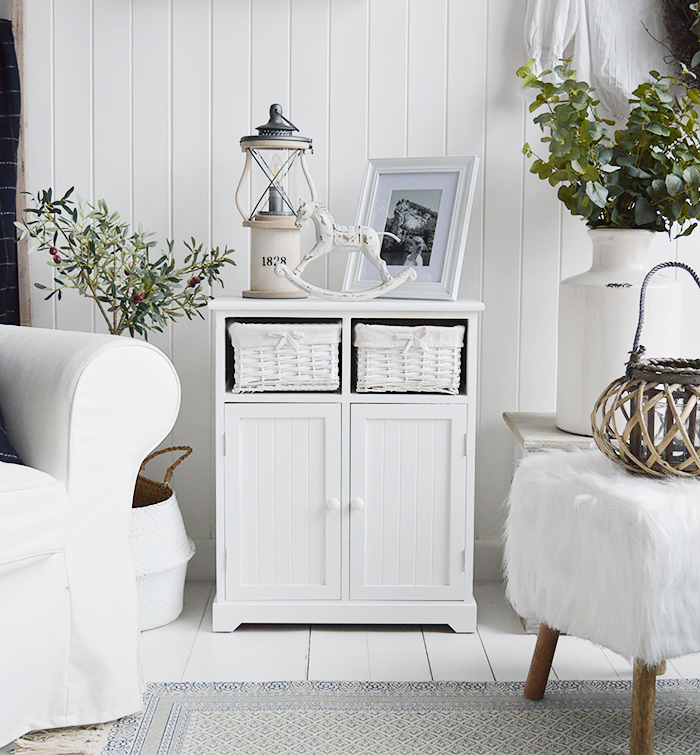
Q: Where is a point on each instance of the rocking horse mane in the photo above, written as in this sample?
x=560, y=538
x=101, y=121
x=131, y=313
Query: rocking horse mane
x=316, y=209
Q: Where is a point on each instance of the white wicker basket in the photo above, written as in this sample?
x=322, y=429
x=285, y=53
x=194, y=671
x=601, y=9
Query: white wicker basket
x=285, y=357
x=424, y=359
x=160, y=550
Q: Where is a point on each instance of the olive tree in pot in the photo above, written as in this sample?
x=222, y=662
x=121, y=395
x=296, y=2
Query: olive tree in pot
x=627, y=183
x=136, y=291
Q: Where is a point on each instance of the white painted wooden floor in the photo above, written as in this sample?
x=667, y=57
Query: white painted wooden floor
x=187, y=650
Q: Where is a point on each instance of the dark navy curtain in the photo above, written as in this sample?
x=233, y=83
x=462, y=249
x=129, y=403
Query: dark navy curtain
x=9, y=141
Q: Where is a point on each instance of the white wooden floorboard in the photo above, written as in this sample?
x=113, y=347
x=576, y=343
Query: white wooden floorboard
x=624, y=670
x=580, y=659
x=397, y=654
x=166, y=650
x=456, y=657
x=253, y=653
x=339, y=653
x=507, y=647
x=688, y=666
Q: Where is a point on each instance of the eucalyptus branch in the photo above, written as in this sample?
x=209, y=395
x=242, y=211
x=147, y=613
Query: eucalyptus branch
x=645, y=175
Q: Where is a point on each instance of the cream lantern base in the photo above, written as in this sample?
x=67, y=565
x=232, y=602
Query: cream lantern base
x=274, y=240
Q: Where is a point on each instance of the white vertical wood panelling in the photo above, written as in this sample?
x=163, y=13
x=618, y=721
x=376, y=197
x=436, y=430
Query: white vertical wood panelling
x=538, y=286
x=191, y=201
x=503, y=213
x=231, y=119
x=37, y=102
x=348, y=116
x=426, y=77
x=144, y=104
x=73, y=126
x=387, y=96
x=309, y=74
x=465, y=119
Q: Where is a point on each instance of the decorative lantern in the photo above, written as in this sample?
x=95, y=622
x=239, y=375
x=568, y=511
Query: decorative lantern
x=274, y=236
x=648, y=420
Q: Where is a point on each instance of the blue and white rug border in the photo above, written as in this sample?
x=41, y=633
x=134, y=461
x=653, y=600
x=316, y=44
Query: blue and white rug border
x=126, y=735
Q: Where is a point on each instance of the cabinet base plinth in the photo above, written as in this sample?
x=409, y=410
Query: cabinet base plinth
x=228, y=615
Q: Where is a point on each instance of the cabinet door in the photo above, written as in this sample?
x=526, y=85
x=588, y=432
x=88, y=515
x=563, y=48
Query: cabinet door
x=408, y=501
x=282, y=468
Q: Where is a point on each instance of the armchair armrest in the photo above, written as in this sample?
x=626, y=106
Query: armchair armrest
x=72, y=399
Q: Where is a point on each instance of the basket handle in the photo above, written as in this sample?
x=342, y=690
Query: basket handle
x=171, y=468
x=637, y=349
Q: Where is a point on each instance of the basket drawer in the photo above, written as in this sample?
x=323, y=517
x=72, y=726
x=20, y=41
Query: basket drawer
x=424, y=358
x=285, y=356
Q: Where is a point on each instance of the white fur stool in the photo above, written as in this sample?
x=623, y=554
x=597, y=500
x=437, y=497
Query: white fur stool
x=599, y=553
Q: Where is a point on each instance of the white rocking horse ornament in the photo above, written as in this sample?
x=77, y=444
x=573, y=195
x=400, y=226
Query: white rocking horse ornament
x=330, y=236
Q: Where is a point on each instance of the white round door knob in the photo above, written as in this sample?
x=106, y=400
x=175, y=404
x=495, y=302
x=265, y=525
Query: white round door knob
x=357, y=504
x=333, y=504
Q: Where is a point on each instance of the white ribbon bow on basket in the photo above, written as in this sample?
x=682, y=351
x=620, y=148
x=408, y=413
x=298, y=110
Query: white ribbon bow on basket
x=290, y=338
x=415, y=338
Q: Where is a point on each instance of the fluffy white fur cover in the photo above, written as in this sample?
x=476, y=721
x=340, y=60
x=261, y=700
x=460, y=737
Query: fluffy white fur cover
x=599, y=553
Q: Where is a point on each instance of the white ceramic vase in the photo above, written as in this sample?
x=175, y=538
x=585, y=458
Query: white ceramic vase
x=598, y=313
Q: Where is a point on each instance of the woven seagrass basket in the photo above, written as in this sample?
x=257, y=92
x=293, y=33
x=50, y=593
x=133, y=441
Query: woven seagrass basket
x=648, y=420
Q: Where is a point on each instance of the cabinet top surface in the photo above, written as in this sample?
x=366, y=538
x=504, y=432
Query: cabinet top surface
x=322, y=306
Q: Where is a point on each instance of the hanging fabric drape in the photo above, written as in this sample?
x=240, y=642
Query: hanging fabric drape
x=9, y=142
x=614, y=44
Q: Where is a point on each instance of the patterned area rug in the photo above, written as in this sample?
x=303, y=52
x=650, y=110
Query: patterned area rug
x=397, y=718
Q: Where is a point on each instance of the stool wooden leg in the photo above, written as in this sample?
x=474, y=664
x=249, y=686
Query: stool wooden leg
x=541, y=662
x=643, y=697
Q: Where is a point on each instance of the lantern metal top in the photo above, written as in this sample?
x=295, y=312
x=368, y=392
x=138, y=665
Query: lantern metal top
x=277, y=133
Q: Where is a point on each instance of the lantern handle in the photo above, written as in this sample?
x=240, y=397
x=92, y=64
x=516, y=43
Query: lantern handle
x=637, y=349
x=246, y=169
x=309, y=181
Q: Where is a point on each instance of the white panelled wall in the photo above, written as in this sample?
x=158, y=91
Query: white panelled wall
x=143, y=102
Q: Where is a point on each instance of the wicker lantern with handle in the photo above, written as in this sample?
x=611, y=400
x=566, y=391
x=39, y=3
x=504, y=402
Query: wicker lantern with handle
x=648, y=420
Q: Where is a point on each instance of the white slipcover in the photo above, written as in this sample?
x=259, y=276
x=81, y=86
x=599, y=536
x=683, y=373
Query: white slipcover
x=82, y=410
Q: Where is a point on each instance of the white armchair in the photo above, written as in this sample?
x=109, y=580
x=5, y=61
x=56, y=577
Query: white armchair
x=82, y=411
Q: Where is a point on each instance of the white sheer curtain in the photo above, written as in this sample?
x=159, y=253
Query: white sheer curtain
x=614, y=43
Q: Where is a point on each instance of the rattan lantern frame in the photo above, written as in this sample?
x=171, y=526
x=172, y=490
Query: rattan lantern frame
x=648, y=420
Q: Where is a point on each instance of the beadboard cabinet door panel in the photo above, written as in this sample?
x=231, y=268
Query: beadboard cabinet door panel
x=282, y=467
x=408, y=486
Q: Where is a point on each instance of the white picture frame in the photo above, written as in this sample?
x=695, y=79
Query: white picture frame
x=434, y=195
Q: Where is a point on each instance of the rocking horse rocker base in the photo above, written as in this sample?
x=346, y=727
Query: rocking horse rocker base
x=330, y=236
x=293, y=277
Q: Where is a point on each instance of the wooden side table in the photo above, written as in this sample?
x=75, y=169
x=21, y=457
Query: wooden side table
x=538, y=432
x=535, y=432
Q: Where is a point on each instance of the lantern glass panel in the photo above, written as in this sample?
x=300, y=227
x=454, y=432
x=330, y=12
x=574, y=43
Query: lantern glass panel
x=275, y=181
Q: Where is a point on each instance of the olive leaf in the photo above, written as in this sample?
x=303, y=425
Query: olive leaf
x=94, y=252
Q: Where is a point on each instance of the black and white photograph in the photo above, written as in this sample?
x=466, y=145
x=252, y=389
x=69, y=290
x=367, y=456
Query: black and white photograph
x=412, y=218
x=420, y=208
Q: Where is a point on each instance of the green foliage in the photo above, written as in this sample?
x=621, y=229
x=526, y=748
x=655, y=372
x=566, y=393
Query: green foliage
x=94, y=252
x=646, y=175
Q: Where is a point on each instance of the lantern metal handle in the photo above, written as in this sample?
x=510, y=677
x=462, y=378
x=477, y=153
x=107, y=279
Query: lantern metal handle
x=638, y=350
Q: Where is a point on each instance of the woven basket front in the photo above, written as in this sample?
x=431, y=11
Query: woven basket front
x=285, y=357
x=402, y=359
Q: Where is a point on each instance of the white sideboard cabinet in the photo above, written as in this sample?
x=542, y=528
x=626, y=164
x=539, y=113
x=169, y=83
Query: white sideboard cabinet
x=337, y=506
